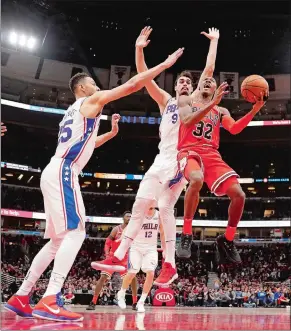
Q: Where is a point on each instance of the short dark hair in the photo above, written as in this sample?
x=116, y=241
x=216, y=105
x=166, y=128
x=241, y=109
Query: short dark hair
x=74, y=81
x=187, y=74
x=126, y=212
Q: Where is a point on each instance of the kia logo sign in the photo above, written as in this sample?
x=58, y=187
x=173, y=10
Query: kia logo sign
x=164, y=296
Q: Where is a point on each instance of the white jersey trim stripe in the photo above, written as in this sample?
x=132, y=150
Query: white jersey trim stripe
x=62, y=193
x=83, y=147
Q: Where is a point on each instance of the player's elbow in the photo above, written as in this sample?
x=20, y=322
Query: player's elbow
x=234, y=131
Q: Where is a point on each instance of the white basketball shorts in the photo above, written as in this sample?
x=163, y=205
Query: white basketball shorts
x=63, y=202
x=162, y=175
x=142, y=258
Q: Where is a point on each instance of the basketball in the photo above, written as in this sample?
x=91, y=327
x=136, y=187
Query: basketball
x=253, y=86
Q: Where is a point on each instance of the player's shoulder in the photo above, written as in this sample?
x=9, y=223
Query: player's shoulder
x=117, y=227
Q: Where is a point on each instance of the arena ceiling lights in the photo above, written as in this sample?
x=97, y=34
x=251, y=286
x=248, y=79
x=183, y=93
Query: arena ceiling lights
x=22, y=40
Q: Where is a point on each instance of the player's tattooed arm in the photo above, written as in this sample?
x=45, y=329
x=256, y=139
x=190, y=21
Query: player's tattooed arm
x=187, y=115
x=103, y=138
x=159, y=95
x=235, y=127
x=213, y=36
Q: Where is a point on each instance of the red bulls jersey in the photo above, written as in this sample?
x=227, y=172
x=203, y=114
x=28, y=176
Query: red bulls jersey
x=117, y=240
x=206, y=133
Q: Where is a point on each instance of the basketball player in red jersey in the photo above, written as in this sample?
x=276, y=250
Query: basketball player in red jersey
x=199, y=159
x=111, y=244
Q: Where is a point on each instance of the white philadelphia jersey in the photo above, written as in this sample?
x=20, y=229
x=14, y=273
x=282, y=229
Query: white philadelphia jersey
x=77, y=136
x=148, y=234
x=169, y=128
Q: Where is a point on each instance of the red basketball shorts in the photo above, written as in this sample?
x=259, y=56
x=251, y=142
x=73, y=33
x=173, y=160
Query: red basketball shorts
x=217, y=174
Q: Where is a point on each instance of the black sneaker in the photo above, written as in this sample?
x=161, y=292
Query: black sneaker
x=227, y=250
x=134, y=306
x=91, y=306
x=184, y=248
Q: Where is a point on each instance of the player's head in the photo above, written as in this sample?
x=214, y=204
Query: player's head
x=207, y=86
x=184, y=83
x=126, y=217
x=82, y=84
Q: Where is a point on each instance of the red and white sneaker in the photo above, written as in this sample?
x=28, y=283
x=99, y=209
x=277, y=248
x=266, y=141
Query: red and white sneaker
x=51, y=308
x=20, y=304
x=167, y=275
x=111, y=263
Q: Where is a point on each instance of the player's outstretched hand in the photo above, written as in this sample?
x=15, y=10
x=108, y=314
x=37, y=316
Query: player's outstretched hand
x=114, y=123
x=260, y=101
x=3, y=129
x=142, y=40
x=220, y=92
x=213, y=34
x=173, y=57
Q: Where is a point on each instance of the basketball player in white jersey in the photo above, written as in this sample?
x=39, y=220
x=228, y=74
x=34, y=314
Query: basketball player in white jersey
x=143, y=256
x=162, y=182
x=64, y=207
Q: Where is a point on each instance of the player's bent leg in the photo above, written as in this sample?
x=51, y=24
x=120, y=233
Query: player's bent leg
x=99, y=285
x=225, y=243
x=20, y=302
x=194, y=175
x=127, y=280
x=114, y=263
x=50, y=307
x=166, y=205
x=134, y=287
x=146, y=288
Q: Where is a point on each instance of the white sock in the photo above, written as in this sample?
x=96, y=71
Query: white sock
x=64, y=260
x=142, y=298
x=122, y=291
x=39, y=264
x=170, y=252
x=139, y=210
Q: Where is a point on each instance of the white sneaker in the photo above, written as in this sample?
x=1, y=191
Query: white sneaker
x=121, y=300
x=140, y=308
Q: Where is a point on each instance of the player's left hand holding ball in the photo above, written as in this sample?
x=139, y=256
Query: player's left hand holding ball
x=114, y=123
x=260, y=102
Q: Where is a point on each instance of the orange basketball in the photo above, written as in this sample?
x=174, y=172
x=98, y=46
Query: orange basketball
x=253, y=86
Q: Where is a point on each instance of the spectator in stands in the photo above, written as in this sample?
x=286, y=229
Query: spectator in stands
x=3, y=129
x=261, y=297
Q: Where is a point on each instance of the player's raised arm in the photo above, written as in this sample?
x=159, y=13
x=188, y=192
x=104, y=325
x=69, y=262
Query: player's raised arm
x=103, y=138
x=235, y=127
x=93, y=105
x=159, y=95
x=208, y=71
x=190, y=118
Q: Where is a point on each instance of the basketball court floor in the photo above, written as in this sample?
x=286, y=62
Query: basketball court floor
x=164, y=318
